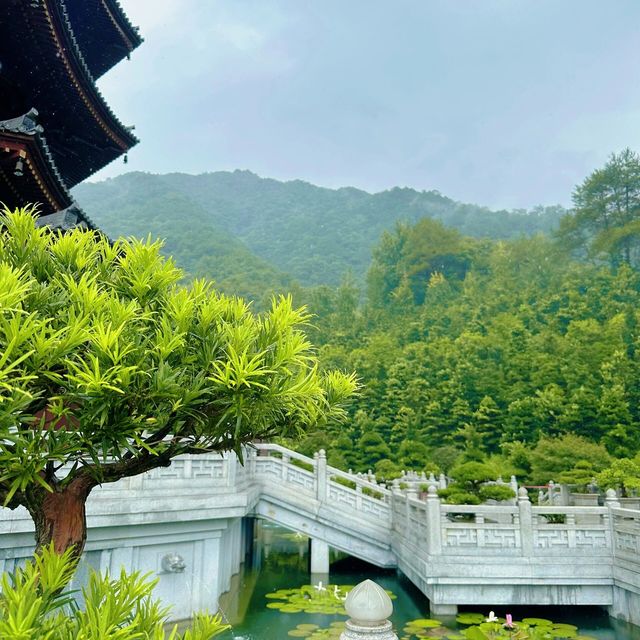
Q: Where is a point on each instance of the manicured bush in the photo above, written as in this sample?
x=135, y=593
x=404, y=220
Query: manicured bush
x=499, y=492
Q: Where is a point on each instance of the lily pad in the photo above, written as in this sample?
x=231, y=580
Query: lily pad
x=275, y=605
x=470, y=618
x=537, y=622
x=290, y=608
x=298, y=633
x=424, y=623
x=327, y=599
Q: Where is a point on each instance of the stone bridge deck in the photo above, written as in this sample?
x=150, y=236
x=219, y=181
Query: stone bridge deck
x=493, y=555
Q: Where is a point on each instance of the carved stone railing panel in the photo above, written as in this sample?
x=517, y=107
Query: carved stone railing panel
x=342, y=496
x=626, y=532
x=299, y=478
x=216, y=469
x=312, y=476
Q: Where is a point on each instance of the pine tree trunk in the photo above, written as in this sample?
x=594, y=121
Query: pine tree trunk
x=60, y=517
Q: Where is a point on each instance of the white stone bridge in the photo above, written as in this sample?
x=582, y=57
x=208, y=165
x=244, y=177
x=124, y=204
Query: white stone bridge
x=491, y=555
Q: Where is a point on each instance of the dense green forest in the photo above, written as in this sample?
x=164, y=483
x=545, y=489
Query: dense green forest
x=212, y=222
x=523, y=354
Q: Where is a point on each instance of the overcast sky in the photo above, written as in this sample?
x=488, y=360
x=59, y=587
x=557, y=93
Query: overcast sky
x=506, y=103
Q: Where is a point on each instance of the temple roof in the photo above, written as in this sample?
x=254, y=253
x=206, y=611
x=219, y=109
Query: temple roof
x=104, y=33
x=28, y=173
x=83, y=133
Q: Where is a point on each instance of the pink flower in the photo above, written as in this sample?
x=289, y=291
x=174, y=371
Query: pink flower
x=509, y=623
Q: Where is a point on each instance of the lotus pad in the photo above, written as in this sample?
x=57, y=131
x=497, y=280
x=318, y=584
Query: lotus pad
x=470, y=618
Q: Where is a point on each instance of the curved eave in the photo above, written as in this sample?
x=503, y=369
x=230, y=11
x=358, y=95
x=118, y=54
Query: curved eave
x=104, y=33
x=37, y=181
x=69, y=218
x=80, y=76
x=129, y=33
x=84, y=134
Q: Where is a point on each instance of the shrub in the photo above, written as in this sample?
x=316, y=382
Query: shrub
x=455, y=494
x=472, y=474
x=386, y=470
x=344, y=482
x=307, y=466
x=499, y=492
x=623, y=474
x=35, y=606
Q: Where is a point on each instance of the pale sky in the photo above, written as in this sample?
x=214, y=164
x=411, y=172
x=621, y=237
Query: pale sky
x=505, y=103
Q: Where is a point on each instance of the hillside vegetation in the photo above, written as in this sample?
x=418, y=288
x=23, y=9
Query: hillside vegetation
x=519, y=354
x=314, y=235
x=141, y=205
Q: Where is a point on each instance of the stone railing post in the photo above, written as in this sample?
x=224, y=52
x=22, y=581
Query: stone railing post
x=231, y=461
x=442, y=481
x=611, y=501
x=187, y=470
x=368, y=606
x=321, y=475
x=526, y=522
x=285, y=466
x=250, y=463
x=434, y=522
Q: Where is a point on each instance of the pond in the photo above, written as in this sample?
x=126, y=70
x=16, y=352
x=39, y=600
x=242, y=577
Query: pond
x=266, y=602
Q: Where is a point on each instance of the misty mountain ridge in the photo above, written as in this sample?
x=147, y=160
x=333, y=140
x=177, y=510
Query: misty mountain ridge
x=250, y=232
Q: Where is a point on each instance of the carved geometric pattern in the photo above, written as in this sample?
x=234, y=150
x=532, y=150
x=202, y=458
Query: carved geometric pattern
x=461, y=537
x=503, y=538
x=269, y=467
x=549, y=539
x=176, y=470
x=204, y=468
x=339, y=495
x=300, y=478
x=593, y=539
x=627, y=542
x=375, y=507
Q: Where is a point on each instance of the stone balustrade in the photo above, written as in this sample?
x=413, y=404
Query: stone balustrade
x=456, y=554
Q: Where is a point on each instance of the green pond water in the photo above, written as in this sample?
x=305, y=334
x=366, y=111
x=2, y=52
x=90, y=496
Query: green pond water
x=280, y=565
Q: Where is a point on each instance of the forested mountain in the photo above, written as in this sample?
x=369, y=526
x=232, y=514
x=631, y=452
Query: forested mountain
x=141, y=205
x=313, y=234
x=484, y=350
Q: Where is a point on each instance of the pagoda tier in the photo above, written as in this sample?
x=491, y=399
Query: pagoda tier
x=28, y=174
x=103, y=31
x=51, y=75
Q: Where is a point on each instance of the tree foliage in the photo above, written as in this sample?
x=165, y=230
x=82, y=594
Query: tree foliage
x=110, y=367
x=526, y=356
x=606, y=217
